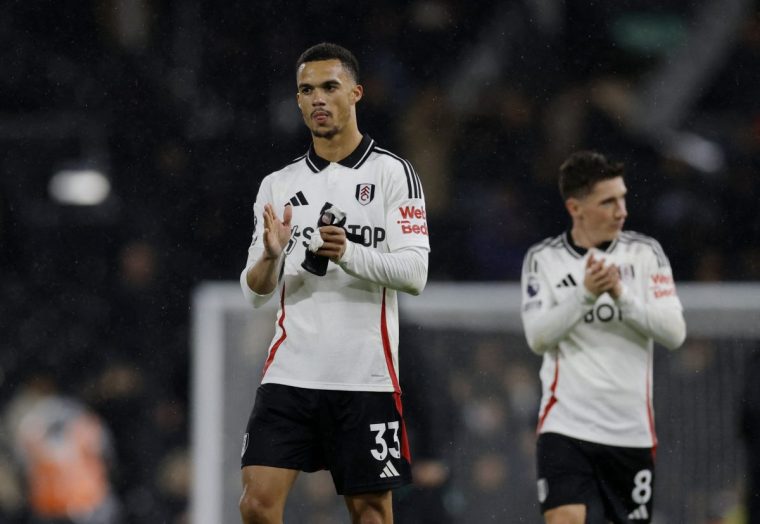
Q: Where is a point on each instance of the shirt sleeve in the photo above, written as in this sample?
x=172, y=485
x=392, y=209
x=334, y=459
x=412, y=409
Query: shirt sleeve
x=660, y=314
x=404, y=270
x=256, y=248
x=545, y=320
x=405, y=216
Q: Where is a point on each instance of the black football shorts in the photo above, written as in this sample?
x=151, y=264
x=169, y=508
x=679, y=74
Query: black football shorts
x=359, y=436
x=615, y=483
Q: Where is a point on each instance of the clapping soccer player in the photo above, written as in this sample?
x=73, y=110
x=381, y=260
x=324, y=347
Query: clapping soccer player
x=595, y=298
x=330, y=397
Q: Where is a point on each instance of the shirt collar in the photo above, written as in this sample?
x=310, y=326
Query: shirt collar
x=579, y=251
x=316, y=163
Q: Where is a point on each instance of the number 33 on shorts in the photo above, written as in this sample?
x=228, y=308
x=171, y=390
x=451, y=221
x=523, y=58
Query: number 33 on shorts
x=383, y=450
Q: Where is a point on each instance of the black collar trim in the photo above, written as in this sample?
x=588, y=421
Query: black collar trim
x=578, y=251
x=316, y=163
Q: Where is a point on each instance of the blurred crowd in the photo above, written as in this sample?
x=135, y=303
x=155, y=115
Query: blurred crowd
x=186, y=105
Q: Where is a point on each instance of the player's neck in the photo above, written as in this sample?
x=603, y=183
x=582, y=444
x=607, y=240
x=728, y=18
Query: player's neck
x=339, y=146
x=583, y=238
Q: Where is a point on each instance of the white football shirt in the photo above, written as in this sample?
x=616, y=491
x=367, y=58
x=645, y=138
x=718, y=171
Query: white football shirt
x=596, y=373
x=337, y=331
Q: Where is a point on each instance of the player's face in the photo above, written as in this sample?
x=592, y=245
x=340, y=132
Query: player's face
x=602, y=212
x=327, y=96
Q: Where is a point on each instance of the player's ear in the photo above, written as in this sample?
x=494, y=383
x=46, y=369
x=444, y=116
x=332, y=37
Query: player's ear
x=356, y=93
x=573, y=207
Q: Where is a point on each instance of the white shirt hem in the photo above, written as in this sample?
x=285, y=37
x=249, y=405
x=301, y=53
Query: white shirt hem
x=333, y=386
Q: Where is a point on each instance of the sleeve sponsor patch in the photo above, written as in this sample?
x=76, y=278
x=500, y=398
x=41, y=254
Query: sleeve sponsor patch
x=413, y=220
x=662, y=285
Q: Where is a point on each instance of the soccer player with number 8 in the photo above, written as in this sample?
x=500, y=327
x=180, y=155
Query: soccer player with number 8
x=595, y=298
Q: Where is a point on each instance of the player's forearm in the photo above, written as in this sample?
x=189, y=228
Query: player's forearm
x=262, y=277
x=404, y=270
x=260, y=280
x=665, y=325
x=545, y=328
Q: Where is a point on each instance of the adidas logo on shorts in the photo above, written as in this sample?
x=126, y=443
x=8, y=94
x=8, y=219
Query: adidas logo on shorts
x=639, y=513
x=389, y=471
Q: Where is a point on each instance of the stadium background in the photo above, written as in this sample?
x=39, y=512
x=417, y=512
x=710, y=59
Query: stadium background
x=186, y=105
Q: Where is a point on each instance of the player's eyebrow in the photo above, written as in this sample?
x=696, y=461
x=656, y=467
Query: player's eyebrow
x=327, y=83
x=614, y=197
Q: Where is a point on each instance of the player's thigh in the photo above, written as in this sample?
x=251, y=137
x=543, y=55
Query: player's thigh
x=366, y=444
x=266, y=487
x=283, y=429
x=627, y=483
x=371, y=507
x=567, y=514
x=566, y=476
x=590, y=513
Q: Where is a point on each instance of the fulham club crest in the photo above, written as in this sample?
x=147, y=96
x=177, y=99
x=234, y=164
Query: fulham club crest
x=365, y=193
x=626, y=272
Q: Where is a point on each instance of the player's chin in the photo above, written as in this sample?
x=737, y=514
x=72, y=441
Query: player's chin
x=614, y=234
x=324, y=131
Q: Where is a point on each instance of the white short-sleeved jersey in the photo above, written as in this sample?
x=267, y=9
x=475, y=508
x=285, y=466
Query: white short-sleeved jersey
x=336, y=331
x=597, y=381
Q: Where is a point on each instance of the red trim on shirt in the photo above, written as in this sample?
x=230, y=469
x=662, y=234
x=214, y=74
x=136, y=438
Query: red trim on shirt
x=553, y=398
x=650, y=413
x=282, y=338
x=405, y=452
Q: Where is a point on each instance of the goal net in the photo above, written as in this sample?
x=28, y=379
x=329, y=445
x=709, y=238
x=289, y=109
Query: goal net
x=471, y=400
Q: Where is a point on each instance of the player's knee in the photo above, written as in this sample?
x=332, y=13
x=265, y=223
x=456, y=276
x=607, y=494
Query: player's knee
x=258, y=510
x=369, y=515
x=369, y=512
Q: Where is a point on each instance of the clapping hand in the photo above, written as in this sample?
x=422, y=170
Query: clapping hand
x=601, y=278
x=276, y=231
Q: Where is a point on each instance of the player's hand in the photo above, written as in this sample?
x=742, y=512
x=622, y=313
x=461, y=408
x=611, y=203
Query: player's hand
x=599, y=278
x=617, y=285
x=334, y=239
x=276, y=231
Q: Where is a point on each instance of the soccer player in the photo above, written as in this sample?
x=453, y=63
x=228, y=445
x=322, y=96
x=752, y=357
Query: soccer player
x=330, y=397
x=594, y=300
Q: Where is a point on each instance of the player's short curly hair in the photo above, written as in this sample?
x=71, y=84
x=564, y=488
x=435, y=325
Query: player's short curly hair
x=328, y=51
x=582, y=170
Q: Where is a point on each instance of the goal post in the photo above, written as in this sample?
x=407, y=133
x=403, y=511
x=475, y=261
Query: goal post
x=457, y=321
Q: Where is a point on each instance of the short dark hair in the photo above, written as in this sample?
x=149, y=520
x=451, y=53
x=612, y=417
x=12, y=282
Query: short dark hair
x=583, y=169
x=328, y=51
